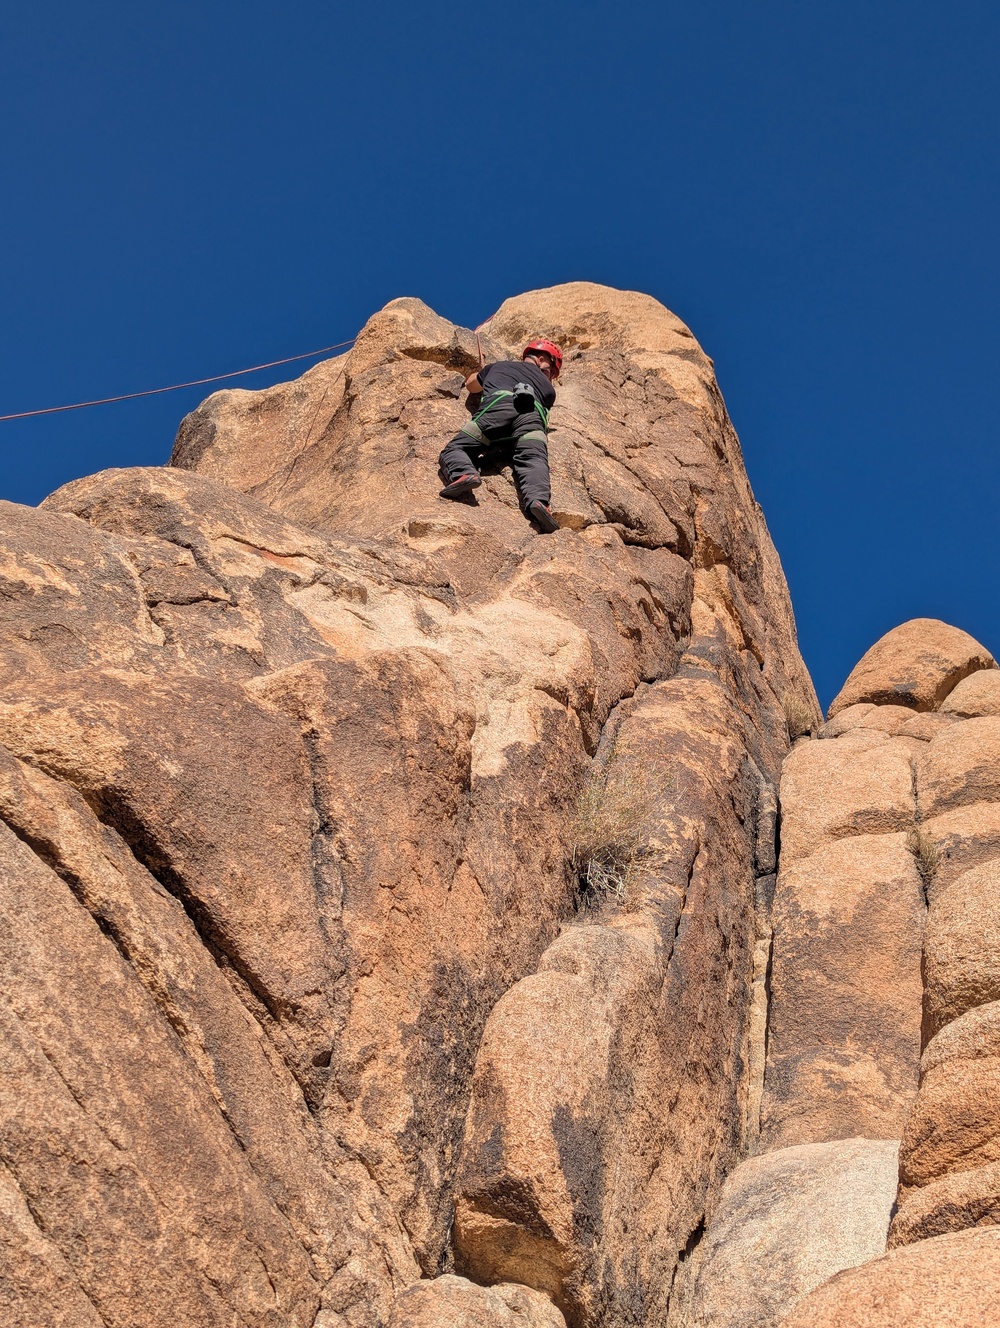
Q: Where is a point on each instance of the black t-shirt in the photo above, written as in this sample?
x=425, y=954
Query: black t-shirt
x=506, y=374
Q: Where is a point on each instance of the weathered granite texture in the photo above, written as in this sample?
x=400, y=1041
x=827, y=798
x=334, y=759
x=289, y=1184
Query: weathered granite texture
x=291, y=755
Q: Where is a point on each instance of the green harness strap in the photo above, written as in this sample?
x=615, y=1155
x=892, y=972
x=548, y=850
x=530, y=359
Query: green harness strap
x=498, y=395
x=491, y=403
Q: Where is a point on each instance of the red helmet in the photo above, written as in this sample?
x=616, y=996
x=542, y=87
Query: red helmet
x=551, y=349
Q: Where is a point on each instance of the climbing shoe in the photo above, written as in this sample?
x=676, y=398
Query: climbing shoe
x=540, y=513
x=462, y=485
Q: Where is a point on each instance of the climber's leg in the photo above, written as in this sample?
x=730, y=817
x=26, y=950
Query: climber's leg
x=531, y=468
x=456, y=461
x=461, y=459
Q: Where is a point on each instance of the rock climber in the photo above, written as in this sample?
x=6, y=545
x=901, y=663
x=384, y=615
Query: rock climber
x=509, y=402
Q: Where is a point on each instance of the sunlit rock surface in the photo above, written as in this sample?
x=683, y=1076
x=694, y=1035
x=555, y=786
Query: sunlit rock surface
x=314, y=1013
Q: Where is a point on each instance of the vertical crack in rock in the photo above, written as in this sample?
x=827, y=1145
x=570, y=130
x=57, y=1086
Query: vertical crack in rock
x=328, y=878
x=921, y=845
x=681, y=1284
x=759, y=1022
x=767, y=847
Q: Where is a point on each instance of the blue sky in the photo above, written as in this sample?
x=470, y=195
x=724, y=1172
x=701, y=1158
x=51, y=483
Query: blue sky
x=193, y=188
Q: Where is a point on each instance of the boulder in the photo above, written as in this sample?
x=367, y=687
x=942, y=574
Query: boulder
x=453, y=1302
x=976, y=695
x=961, y=955
x=786, y=1222
x=927, y=725
x=954, y=1124
x=833, y=728
x=974, y=1034
x=828, y=793
x=956, y=841
x=949, y=1282
x=962, y=1199
x=950, y=1178
x=543, y=1066
x=865, y=715
x=916, y=664
x=844, y=1021
x=961, y=766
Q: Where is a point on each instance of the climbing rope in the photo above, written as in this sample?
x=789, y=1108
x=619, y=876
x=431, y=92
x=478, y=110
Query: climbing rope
x=479, y=340
x=176, y=387
x=200, y=382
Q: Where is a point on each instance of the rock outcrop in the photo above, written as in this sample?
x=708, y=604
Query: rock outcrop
x=306, y=1001
x=881, y=938
x=394, y=929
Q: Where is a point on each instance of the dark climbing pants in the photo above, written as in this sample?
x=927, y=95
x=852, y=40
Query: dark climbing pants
x=500, y=434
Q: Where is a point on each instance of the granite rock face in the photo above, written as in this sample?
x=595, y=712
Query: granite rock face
x=829, y=792
x=291, y=760
x=394, y=933
x=962, y=963
x=845, y=1015
x=652, y=1002
x=881, y=945
x=844, y=1026
x=786, y=1222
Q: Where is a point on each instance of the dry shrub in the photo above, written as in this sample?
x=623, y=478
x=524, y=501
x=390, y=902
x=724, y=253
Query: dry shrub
x=927, y=855
x=609, y=840
x=799, y=716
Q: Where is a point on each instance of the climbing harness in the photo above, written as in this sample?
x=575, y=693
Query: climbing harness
x=497, y=395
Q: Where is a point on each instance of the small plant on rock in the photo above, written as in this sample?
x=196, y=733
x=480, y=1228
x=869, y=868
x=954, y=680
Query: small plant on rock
x=926, y=854
x=609, y=843
x=799, y=716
